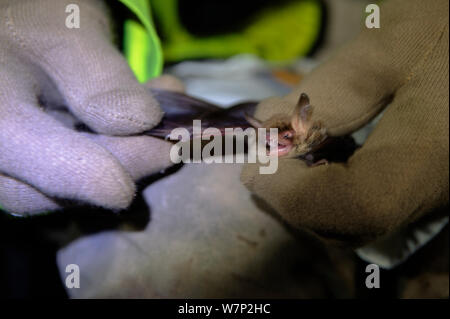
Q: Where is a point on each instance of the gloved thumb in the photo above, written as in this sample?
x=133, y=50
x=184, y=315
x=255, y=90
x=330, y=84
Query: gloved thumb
x=359, y=81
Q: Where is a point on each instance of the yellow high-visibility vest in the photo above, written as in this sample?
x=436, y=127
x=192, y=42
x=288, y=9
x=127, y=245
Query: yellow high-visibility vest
x=281, y=34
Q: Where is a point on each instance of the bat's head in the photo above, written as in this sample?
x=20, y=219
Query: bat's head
x=283, y=145
x=308, y=133
x=297, y=133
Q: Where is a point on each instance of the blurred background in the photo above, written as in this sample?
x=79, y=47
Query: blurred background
x=198, y=233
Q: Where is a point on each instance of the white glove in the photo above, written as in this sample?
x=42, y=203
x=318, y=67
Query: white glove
x=42, y=158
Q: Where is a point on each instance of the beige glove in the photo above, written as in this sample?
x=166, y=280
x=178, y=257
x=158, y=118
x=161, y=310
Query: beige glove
x=401, y=173
x=42, y=159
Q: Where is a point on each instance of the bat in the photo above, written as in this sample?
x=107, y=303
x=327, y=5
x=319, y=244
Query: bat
x=298, y=135
x=301, y=137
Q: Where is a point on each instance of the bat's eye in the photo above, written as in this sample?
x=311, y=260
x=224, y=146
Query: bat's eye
x=287, y=135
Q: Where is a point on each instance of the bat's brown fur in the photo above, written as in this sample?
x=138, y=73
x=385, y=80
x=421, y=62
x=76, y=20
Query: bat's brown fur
x=303, y=133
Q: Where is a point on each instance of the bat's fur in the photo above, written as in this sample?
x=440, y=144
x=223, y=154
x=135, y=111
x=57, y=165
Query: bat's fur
x=298, y=130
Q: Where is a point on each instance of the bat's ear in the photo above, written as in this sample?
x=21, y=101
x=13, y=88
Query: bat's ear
x=253, y=122
x=302, y=115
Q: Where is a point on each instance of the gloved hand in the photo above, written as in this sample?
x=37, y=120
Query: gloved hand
x=402, y=171
x=42, y=158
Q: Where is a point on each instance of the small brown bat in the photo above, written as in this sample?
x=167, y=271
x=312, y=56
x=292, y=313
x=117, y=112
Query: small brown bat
x=301, y=137
x=298, y=135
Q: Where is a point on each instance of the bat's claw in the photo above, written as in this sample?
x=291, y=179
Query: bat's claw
x=319, y=163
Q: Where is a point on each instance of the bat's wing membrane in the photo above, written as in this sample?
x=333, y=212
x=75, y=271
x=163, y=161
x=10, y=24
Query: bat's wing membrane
x=180, y=110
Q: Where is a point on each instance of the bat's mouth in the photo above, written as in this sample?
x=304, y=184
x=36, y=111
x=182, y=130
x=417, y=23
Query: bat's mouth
x=281, y=146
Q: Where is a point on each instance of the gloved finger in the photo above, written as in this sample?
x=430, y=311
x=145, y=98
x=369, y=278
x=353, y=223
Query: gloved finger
x=399, y=174
x=140, y=155
x=95, y=79
x=167, y=82
x=358, y=82
x=57, y=161
x=21, y=199
x=355, y=202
